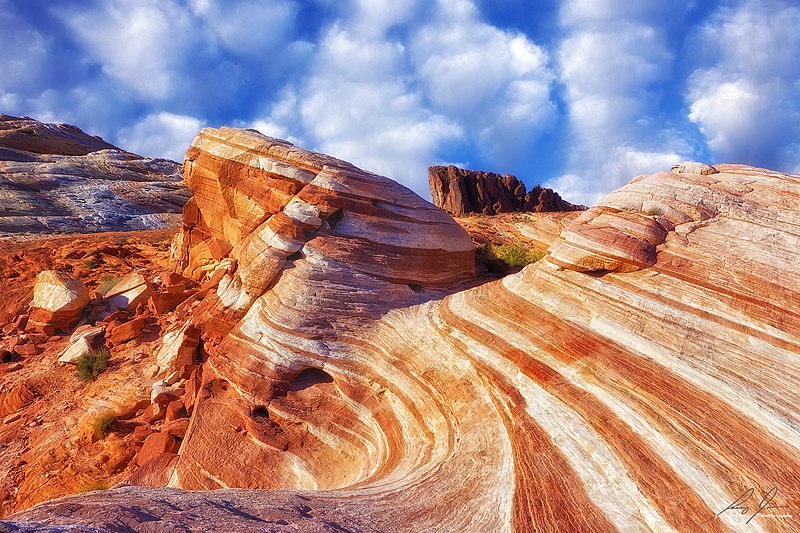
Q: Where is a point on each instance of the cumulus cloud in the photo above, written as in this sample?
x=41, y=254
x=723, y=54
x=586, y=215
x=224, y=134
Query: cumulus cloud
x=496, y=83
x=745, y=99
x=611, y=60
x=160, y=135
x=393, y=85
x=24, y=60
x=142, y=45
x=359, y=107
x=248, y=27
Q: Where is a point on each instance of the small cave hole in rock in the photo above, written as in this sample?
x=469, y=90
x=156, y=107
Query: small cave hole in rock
x=295, y=256
x=260, y=411
x=308, y=378
x=415, y=287
x=335, y=217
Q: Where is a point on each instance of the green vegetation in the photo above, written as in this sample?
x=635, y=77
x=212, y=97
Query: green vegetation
x=91, y=364
x=91, y=262
x=107, y=282
x=93, y=486
x=102, y=424
x=653, y=211
x=499, y=259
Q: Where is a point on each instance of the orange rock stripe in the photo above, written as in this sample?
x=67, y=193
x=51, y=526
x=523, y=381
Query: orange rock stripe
x=676, y=502
x=754, y=305
x=330, y=200
x=712, y=424
x=304, y=161
x=548, y=493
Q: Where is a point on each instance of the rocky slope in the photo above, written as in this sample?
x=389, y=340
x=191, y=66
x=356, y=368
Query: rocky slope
x=641, y=378
x=58, y=179
x=460, y=192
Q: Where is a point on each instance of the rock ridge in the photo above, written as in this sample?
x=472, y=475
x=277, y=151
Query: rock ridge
x=460, y=191
x=54, y=178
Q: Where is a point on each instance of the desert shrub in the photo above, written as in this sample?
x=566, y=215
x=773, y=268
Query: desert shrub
x=653, y=211
x=106, y=283
x=93, y=486
x=102, y=423
x=91, y=364
x=510, y=255
x=91, y=262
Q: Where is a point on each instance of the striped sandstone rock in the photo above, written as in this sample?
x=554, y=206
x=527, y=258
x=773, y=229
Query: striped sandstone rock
x=647, y=398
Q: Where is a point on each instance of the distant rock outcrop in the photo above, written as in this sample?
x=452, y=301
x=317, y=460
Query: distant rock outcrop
x=24, y=134
x=58, y=179
x=460, y=191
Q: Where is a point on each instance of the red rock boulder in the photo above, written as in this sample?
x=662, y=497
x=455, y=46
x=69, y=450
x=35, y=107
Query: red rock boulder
x=58, y=299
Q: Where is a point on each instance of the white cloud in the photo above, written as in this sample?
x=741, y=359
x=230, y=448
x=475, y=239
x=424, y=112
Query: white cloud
x=496, y=83
x=251, y=27
x=165, y=51
x=160, y=135
x=24, y=59
x=746, y=100
x=143, y=45
x=619, y=167
x=391, y=101
x=358, y=107
x=611, y=59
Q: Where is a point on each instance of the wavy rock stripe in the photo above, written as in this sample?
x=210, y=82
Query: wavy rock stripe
x=647, y=399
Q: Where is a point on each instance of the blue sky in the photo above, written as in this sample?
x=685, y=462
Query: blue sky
x=581, y=95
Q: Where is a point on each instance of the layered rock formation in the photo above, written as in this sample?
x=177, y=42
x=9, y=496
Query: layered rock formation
x=58, y=299
x=609, y=387
x=460, y=191
x=58, y=179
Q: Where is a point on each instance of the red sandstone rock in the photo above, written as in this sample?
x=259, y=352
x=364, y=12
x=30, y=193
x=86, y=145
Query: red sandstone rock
x=121, y=332
x=153, y=412
x=459, y=192
x=552, y=399
x=156, y=445
x=175, y=411
x=131, y=291
x=622, y=233
x=27, y=349
x=166, y=395
x=21, y=395
x=156, y=472
x=140, y=433
x=178, y=349
x=177, y=427
x=58, y=299
x=83, y=340
x=163, y=302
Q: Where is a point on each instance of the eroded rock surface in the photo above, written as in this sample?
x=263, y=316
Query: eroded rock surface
x=58, y=299
x=644, y=399
x=460, y=191
x=57, y=179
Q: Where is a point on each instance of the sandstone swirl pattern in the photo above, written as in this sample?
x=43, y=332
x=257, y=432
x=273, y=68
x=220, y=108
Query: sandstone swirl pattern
x=641, y=378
